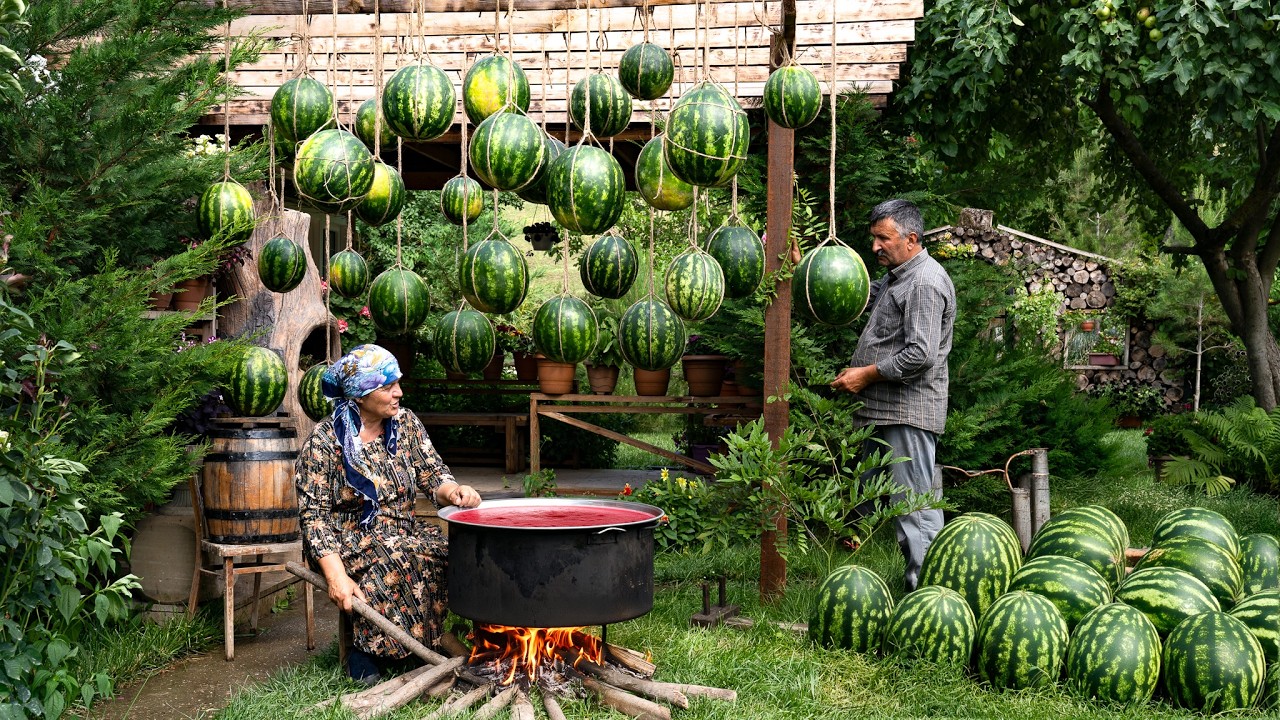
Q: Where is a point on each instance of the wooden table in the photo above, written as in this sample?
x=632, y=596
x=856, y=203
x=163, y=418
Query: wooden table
x=508, y=422
x=729, y=409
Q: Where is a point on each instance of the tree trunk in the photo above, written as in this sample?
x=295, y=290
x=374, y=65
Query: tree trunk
x=1239, y=286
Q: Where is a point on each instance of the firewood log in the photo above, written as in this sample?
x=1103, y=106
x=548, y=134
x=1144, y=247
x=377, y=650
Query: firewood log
x=626, y=703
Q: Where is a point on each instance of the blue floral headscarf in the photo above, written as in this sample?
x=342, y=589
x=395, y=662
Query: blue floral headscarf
x=354, y=375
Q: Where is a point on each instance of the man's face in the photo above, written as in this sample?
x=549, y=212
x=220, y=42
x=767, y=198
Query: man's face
x=890, y=247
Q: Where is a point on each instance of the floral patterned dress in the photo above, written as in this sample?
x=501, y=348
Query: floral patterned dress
x=398, y=562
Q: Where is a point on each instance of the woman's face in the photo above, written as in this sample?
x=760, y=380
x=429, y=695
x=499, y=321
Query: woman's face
x=382, y=403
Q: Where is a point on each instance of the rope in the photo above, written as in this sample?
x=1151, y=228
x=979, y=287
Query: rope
x=333, y=64
x=226, y=104
x=644, y=11
x=377, y=81
x=831, y=167
x=693, y=220
x=419, y=28
x=400, y=216
x=568, y=71
x=511, y=37
x=462, y=162
x=328, y=308
x=304, y=39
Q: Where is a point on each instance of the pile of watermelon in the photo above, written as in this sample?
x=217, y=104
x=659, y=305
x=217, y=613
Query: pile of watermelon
x=1197, y=620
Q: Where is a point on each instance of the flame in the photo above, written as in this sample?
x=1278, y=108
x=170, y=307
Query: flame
x=526, y=650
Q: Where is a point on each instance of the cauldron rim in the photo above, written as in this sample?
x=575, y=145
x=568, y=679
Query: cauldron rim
x=655, y=513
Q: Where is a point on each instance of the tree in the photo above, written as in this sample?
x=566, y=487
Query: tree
x=1177, y=90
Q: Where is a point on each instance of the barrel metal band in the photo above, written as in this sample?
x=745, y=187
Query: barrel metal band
x=253, y=539
x=215, y=514
x=255, y=433
x=257, y=455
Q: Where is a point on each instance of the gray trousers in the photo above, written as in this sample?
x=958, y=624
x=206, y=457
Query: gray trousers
x=915, y=530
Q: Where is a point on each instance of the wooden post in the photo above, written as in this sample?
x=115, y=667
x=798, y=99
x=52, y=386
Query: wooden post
x=1022, y=515
x=777, y=318
x=1039, y=489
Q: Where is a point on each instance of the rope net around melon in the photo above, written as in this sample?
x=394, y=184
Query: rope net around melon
x=831, y=163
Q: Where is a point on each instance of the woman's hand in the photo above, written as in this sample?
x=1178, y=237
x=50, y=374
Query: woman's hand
x=341, y=587
x=460, y=495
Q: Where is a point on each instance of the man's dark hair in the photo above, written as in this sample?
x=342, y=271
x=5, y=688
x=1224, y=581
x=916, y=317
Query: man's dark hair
x=903, y=213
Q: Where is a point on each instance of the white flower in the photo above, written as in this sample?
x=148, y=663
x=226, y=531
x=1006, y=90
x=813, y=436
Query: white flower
x=4, y=440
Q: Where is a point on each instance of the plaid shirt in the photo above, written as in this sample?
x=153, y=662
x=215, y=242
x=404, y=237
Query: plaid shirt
x=907, y=338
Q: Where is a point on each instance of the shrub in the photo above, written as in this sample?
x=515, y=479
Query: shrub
x=1165, y=435
x=1239, y=444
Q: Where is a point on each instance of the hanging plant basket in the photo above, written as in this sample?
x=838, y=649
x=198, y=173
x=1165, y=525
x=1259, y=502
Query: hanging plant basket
x=542, y=241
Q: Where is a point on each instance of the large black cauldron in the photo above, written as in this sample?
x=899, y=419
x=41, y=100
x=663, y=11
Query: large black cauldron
x=551, y=576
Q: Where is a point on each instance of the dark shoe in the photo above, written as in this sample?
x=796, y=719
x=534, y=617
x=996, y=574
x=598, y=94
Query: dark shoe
x=363, y=668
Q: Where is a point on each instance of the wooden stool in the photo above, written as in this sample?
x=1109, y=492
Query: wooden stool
x=230, y=570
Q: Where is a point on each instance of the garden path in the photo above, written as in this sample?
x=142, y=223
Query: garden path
x=196, y=688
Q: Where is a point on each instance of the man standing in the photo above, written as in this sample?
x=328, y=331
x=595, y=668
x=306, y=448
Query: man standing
x=899, y=369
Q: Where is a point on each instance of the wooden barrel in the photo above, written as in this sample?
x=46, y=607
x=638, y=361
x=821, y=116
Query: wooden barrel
x=247, y=482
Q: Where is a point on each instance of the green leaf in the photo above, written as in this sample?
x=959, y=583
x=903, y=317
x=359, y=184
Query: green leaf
x=111, y=523
x=54, y=703
x=68, y=602
x=56, y=651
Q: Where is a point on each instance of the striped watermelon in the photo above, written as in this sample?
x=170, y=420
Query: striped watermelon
x=657, y=184
x=282, y=263
x=851, y=610
x=301, y=107
x=646, y=71
x=1021, y=643
x=831, y=285
x=461, y=197
x=600, y=100
x=333, y=170
x=310, y=395
x=366, y=120
x=494, y=277
x=1167, y=596
x=1197, y=522
x=492, y=84
x=695, y=285
x=536, y=191
x=1260, y=563
x=348, y=274
x=507, y=151
x=650, y=335
x=1075, y=534
x=707, y=136
x=418, y=102
x=398, y=301
x=586, y=189
x=258, y=382
x=1098, y=518
x=464, y=341
x=740, y=253
x=565, y=329
x=792, y=96
x=1213, y=664
x=933, y=624
x=1073, y=587
x=1114, y=656
x=1212, y=564
x=976, y=555
x=226, y=208
x=609, y=266
x=285, y=150
x=1261, y=613
x=385, y=199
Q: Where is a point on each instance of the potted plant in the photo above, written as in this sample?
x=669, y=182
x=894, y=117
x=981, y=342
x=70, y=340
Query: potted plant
x=541, y=235
x=703, y=368
x=517, y=338
x=699, y=440
x=555, y=377
x=605, y=361
x=1133, y=401
x=1165, y=440
x=1109, y=346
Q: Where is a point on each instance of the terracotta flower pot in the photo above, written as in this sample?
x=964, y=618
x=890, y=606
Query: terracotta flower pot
x=1088, y=325
x=493, y=371
x=526, y=366
x=652, y=382
x=740, y=376
x=603, y=378
x=161, y=301
x=189, y=293
x=556, y=378
x=1103, y=359
x=704, y=373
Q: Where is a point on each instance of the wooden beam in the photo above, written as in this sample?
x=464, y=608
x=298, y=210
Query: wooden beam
x=351, y=7
x=647, y=447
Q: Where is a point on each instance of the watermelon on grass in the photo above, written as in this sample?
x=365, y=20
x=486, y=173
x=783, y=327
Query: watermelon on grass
x=831, y=285
x=348, y=274
x=1213, y=664
x=1261, y=613
x=1197, y=522
x=586, y=189
x=1167, y=596
x=741, y=256
x=1097, y=520
x=300, y=107
x=565, y=329
x=464, y=341
x=494, y=276
x=461, y=198
x=398, y=301
x=851, y=610
x=385, y=198
x=418, y=102
x=707, y=136
x=609, y=266
x=258, y=383
x=792, y=96
x=507, y=151
x=1260, y=563
x=366, y=121
x=646, y=70
x=656, y=183
x=933, y=624
x=311, y=396
x=600, y=100
x=1211, y=563
x=494, y=83
x=695, y=285
x=650, y=335
x=282, y=263
x=536, y=191
x=976, y=555
x=333, y=170
x=1114, y=656
x=1073, y=587
x=1021, y=643
x=226, y=208
x=1077, y=534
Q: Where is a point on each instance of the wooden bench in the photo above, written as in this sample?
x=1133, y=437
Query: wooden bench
x=515, y=451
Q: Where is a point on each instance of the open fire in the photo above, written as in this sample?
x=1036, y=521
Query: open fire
x=524, y=655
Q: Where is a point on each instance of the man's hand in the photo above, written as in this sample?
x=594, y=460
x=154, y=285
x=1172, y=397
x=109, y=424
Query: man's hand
x=855, y=379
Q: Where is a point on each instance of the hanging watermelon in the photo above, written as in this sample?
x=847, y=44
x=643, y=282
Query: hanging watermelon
x=507, y=151
x=650, y=335
x=695, y=285
x=461, y=197
x=333, y=170
x=366, y=121
x=348, y=274
x=398, y=301
x=831, y=285
x=792, y=96
x=707, y=136
x=565, y=329
x=741, y=256
x=226, y=207
x=300, y=107
x=464, y=341
x=494, y=83
x=608, y=268
x=385, y=199
x=605, y=101
x=657, y=184
x=418, y=102
x=586, y=189
x=282, y=263
x=494, y=276
x=536, y=191
x=310, y=396
x=646, y=71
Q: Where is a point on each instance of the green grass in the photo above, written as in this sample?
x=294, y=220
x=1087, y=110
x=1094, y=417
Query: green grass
x=136, y=650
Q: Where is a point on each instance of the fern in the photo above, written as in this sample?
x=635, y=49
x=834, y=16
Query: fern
x=1240, y=443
